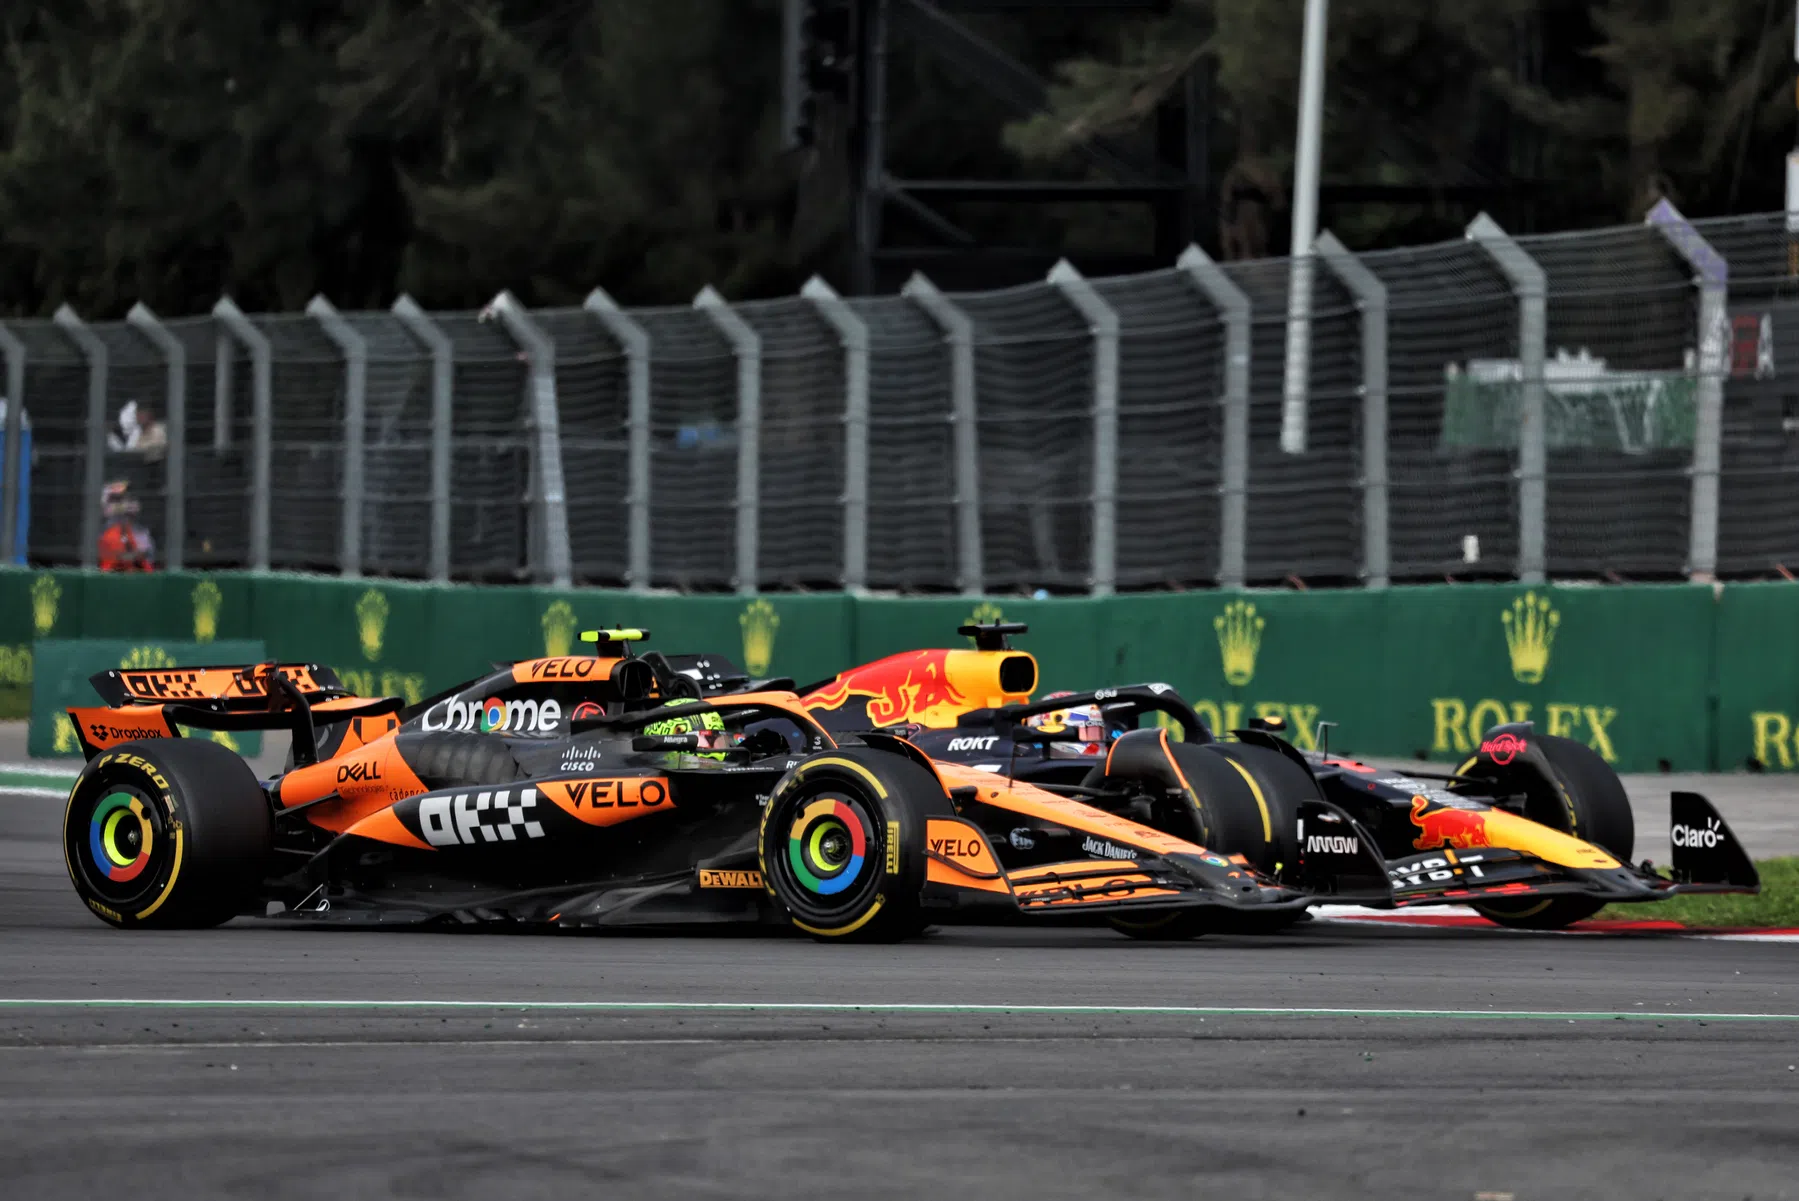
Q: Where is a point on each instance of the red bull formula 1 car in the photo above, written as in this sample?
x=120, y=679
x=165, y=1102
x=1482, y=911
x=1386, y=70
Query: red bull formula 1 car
x=1534, y=831
x=606, y=790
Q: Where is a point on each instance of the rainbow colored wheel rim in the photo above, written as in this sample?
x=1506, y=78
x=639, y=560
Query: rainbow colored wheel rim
x=827, y=845
x=121, y=837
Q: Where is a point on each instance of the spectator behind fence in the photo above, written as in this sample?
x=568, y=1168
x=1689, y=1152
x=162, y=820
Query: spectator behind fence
x=125, y=545
x=139, y=432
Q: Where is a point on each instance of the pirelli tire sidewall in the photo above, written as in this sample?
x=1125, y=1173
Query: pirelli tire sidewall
x=212, y=822
x=893, y=797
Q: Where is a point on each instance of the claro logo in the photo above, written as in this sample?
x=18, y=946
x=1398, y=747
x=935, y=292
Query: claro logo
x=494, y=716
x=1692, y=836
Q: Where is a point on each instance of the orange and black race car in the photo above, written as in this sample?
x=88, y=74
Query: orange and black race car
x=1534, y=831
x=611, y=789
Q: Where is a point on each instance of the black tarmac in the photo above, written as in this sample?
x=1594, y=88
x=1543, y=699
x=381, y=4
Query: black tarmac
x=269, y=1062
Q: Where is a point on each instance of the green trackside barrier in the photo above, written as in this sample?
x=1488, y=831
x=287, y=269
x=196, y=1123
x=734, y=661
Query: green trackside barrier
x=65, y=665
x=1758, y=676
x=1692, y=676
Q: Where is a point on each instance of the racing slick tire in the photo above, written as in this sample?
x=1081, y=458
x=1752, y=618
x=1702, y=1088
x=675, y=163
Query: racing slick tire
x=1237, y=804
x=842, y=844
x=1580, y=795
x=167, y=834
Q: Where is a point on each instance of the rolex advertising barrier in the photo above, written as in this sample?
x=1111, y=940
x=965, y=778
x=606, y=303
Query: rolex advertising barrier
x=1653, y=677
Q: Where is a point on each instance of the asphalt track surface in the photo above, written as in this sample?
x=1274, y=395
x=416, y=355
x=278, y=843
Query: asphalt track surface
x=1332, y=1062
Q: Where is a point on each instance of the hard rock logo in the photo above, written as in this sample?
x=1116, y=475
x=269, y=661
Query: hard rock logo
x=207, y=600
x=1530, y=626
x=45, y=592
x=759, y=621
x=558, y=629
x=1239, y=630
x=371, y=623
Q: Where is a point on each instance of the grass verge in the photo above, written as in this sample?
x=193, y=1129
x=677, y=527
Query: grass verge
x=1777, y=905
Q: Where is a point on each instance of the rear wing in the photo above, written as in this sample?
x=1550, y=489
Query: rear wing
x=151, y=702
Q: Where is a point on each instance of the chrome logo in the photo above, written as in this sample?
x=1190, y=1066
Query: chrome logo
x=493, y=715
x=826, y=846
x=120, y=837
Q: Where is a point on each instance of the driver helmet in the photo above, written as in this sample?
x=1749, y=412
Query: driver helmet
x=703, y=722
x=1079, y=723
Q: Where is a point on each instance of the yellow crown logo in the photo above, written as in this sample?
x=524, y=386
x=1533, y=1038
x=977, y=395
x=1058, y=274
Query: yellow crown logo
x=207, y=600
x=66, y=741
x=985, y=614
x=45, y=592
x=1239, y=639
x=1529, y=633
x=759, y=621
x=371, y=622
x=148, y=656
x=558, y=628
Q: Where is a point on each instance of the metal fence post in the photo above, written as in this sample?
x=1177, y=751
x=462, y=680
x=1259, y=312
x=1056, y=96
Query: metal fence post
x=1531, y=287
x=958, y=333
x=13, y=351
x=634, y=340
x=1233, y=481
x=1712, y=275
x=1371, y=303
x=1102, y=322
x=443, y=377
x=746, y=345
x=222, y=354
x=175, y=456
x=552, y=505
x=261, y=424
x=355, y=349
x=852, y=333
x=93, y=474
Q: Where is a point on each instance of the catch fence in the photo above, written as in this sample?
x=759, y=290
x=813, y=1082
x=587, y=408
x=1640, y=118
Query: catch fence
x=1605, y=404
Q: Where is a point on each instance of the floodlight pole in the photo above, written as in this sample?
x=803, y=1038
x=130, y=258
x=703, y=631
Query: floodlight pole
x=1305, y=228
x=1793, y=166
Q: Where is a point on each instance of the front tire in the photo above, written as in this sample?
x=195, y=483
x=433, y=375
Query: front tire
x=1580, y=795
x=842, y=844
x=167, y=834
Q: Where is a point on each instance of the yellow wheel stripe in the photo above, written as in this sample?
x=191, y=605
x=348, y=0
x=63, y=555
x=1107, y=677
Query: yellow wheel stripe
x=840, y=931
x=1256, y=791
x=873, y=780
x=174, y=874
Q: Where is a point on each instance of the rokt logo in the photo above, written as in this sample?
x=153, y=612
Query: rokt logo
x=1239, y=630
x=1530, y=626
x=494, y=716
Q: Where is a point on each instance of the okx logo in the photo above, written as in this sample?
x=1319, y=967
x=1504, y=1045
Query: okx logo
x=494, y=716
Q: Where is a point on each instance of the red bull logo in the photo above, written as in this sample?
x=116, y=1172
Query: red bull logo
x=914, y=686
x=1461, y=828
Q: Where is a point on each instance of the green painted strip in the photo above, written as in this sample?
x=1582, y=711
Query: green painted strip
x=1529, y=1015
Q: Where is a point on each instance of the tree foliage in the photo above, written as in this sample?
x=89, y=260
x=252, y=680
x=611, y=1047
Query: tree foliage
x=174, y=150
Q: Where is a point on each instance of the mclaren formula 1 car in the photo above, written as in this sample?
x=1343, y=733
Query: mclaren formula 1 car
x=1533, y=831
x=618, y=788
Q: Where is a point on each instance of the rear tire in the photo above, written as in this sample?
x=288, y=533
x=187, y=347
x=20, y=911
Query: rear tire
x=1582, y=797
x=167, y=834
x=842, y=844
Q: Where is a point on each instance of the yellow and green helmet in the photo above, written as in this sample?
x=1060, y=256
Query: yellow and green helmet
x=704, y=721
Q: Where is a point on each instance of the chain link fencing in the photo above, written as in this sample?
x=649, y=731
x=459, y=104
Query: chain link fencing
x=1618, y=403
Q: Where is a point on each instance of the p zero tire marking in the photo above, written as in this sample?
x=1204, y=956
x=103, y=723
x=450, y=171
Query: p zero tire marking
x=840, y=931
x=874, y=781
